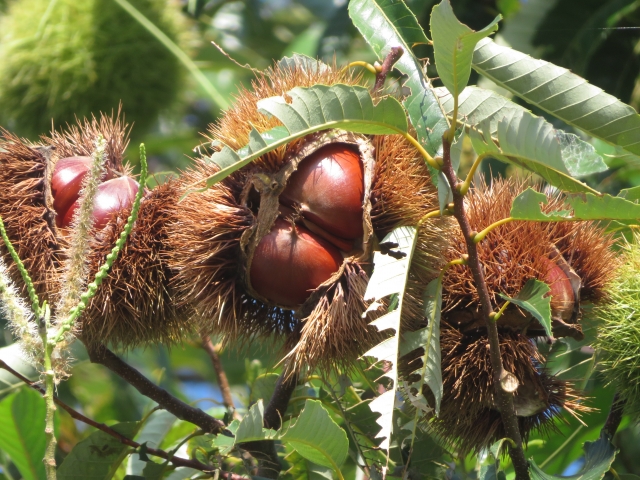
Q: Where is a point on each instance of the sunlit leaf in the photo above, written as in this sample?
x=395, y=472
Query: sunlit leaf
x=98, y=456
x=152, y=433
x=599, y=456
x=389, y=23
x=532, y=143
x=561, y=93
x=428, y=338
x=251, y=427
x=317, y=437
x=309, y=110
x=389, y=277
x=453, y=45
x=528, y=206
x=533, y=299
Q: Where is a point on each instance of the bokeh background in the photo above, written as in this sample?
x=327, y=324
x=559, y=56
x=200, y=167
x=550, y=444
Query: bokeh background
x=65, y=58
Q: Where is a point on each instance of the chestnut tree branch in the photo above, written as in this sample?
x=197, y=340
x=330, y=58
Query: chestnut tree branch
x=177, y=461
x=392, y=57
x=103, y=356
x=505, y=399
x=615, y=416
x=223, y=382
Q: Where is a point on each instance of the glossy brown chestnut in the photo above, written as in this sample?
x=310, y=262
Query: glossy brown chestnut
x=112, y=195
x=561, y=290
x=328, y=187
x=66, y=182
x=288, y=264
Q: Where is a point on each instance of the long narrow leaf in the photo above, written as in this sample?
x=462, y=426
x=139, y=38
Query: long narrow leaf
x=310, y=110
x=561, y=93
x=390, y=278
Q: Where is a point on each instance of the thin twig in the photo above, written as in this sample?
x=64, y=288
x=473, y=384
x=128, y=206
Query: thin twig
x=223, y=383
x=103, y=356
x=177, y=461
x=615, y=416
x=392, y=57
x=505, y=399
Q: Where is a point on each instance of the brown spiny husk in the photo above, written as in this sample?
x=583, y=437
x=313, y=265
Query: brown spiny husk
x=469, y=419
x=135, y=304
x=216, y=228
x=28, y=217
x=514, y=253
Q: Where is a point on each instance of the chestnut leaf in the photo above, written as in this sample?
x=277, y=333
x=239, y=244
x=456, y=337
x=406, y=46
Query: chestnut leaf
x=533, y=299
x=528, y=206
x=310, y=110
x=561, y=93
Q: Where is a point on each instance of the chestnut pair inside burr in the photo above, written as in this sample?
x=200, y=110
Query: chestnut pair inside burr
x=321, y=216
x=113, y=195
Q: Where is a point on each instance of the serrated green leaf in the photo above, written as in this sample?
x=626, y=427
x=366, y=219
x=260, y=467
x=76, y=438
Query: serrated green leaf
x=22, y=432
x=98, y=456
x=224, y=443
x=251, y=427
x=532, y=298
x=532, y=143
x=302, y=62
x=303, y=469
x=453, y=45
x=310, y=110
x=561, y=93
x=389, y=23
x=599, y=456
x=317, y=437
x=428, y=338
x=151, y=433
x=528, y=206
x=389, y=277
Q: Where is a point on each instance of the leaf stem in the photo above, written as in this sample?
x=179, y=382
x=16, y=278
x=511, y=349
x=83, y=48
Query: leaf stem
x=365, y=65
x=464, y=187
x=33, y=296
x=428, y=158
x=478, y=237
x=170, y=45
x=435, y=214
x=504, y=398
x=497, y=316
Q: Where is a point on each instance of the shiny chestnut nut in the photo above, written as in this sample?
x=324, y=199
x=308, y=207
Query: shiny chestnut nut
x=66, y=183
x=112, y=196
x=290, y=262
x=328, y=190
x=561, y=291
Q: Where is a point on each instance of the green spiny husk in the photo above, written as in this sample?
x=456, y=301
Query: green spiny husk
x=84, y=58
x=618, y=339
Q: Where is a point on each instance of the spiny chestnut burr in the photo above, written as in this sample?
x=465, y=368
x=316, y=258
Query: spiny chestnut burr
x=290, y=262
x=328, y=189
x=66, y=182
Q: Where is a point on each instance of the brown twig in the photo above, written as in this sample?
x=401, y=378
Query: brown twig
x=265, y=451
x=392, y=57
x=505, y=399
x=177, y=461
x=103, y=356
x=615, y=416
x=220, y=373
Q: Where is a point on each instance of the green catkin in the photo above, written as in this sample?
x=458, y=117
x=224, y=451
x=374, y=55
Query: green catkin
x=618, y=341
x=67, y=324
x=33, y=297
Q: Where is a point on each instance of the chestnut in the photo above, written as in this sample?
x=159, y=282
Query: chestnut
x=112, y=195
x=561, y=292
x=290, y=262
x=328, y=189
x=66, y=183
